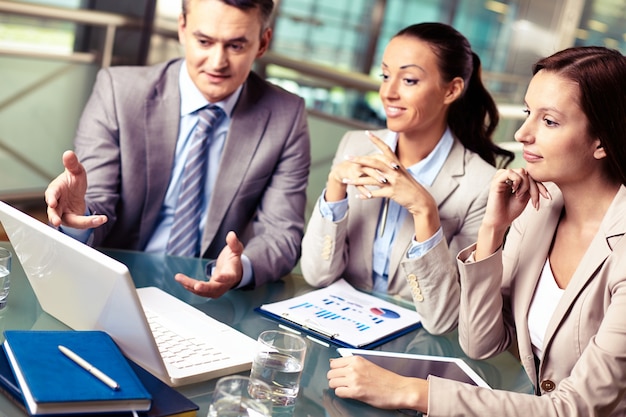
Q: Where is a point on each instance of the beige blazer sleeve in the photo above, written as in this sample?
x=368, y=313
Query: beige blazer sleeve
x=331, y=250
x=582, y=371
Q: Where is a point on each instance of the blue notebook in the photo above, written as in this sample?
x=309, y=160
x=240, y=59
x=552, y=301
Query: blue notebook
x=52, y=383
x=166, y=401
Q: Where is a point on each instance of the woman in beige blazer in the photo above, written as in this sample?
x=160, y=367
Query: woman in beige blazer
x=395, y=225
x=557, y=287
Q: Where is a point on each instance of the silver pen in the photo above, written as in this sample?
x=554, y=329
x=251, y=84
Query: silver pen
x=89, y=368
x=383, y=218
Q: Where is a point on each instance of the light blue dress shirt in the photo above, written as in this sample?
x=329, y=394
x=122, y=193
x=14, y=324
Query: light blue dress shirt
x=192, y=101
x=424, y=172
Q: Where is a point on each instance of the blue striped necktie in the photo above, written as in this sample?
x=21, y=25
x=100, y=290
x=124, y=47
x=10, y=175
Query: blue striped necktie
x=185, y=234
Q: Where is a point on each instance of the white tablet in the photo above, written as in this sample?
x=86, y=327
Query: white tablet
x=420, y=366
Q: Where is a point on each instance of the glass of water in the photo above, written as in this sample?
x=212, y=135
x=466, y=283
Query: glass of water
x=279, y=361
x=5, y=274
x=241, y=396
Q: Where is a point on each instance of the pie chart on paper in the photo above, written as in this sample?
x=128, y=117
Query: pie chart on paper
x=383, y=312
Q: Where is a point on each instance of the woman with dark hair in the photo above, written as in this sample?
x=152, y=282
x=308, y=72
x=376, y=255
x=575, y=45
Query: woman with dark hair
x=400, y=203
x=557, y=285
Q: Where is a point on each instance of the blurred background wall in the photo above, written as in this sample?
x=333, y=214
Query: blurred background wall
x=327, y=51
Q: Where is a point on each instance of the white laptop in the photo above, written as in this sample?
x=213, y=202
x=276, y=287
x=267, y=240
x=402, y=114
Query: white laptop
x=87, y=290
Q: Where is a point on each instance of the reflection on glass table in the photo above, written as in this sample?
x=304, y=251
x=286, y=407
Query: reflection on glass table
x=236, y=308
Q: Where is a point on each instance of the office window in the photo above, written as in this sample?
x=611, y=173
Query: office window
x=36, y=35
x=400, y=14
x=329, y=32
x=603, y=23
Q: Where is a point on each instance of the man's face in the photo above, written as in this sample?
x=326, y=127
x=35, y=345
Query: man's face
x=221, y=43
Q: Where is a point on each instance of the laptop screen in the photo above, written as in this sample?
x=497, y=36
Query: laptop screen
x=80, y=286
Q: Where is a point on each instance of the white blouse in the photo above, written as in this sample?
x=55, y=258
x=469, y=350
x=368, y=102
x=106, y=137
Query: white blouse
x=547, y=296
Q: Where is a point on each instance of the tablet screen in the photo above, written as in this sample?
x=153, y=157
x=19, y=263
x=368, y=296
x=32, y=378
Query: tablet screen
x=419, y=367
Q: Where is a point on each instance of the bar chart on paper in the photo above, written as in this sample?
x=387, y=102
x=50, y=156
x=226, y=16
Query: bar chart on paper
x=343, y=314
x=335, y=308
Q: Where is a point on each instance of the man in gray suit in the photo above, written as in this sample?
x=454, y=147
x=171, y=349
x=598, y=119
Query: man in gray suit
x=135, y=133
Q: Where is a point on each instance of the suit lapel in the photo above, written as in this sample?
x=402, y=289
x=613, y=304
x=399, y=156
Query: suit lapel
x=534, y=248
x=365, y=232
x=401, y=244
x=612, y=229
x=248, y=124
x=444, y=184
x=160, y=133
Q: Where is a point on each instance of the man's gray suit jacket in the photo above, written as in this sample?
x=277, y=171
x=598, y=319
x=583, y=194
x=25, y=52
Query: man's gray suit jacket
x=126, y=140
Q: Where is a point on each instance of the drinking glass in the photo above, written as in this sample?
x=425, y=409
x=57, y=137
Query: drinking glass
x=5, y=274
x=279, y=361
x=241, y=396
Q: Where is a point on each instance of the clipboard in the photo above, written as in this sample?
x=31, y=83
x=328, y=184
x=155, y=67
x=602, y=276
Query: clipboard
x=344, y=316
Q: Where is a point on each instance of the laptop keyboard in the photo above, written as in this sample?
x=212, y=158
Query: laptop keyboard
x=179, y=351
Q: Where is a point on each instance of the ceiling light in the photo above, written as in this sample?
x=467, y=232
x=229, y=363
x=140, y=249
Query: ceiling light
x=496, y=6
x=582, y=34
x=597, y=26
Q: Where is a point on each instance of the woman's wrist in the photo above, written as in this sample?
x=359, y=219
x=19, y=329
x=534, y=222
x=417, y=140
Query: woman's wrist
x=335, y=190
x=426, y=224
x=416, y=396
x=489, y=240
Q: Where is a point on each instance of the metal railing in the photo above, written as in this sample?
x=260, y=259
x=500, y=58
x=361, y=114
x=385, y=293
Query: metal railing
x=101, y=57
x=319, y=74
x=347, y=79
x=110, y=21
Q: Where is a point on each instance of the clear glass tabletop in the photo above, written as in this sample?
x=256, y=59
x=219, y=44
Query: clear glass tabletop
x=236, y=308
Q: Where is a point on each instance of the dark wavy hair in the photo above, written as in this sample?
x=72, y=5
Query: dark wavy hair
x=473, y=117
x=265, y=7
x=600, y=74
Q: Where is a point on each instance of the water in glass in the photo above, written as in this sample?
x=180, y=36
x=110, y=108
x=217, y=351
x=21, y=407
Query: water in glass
x=238, y=407
x=281, y=372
